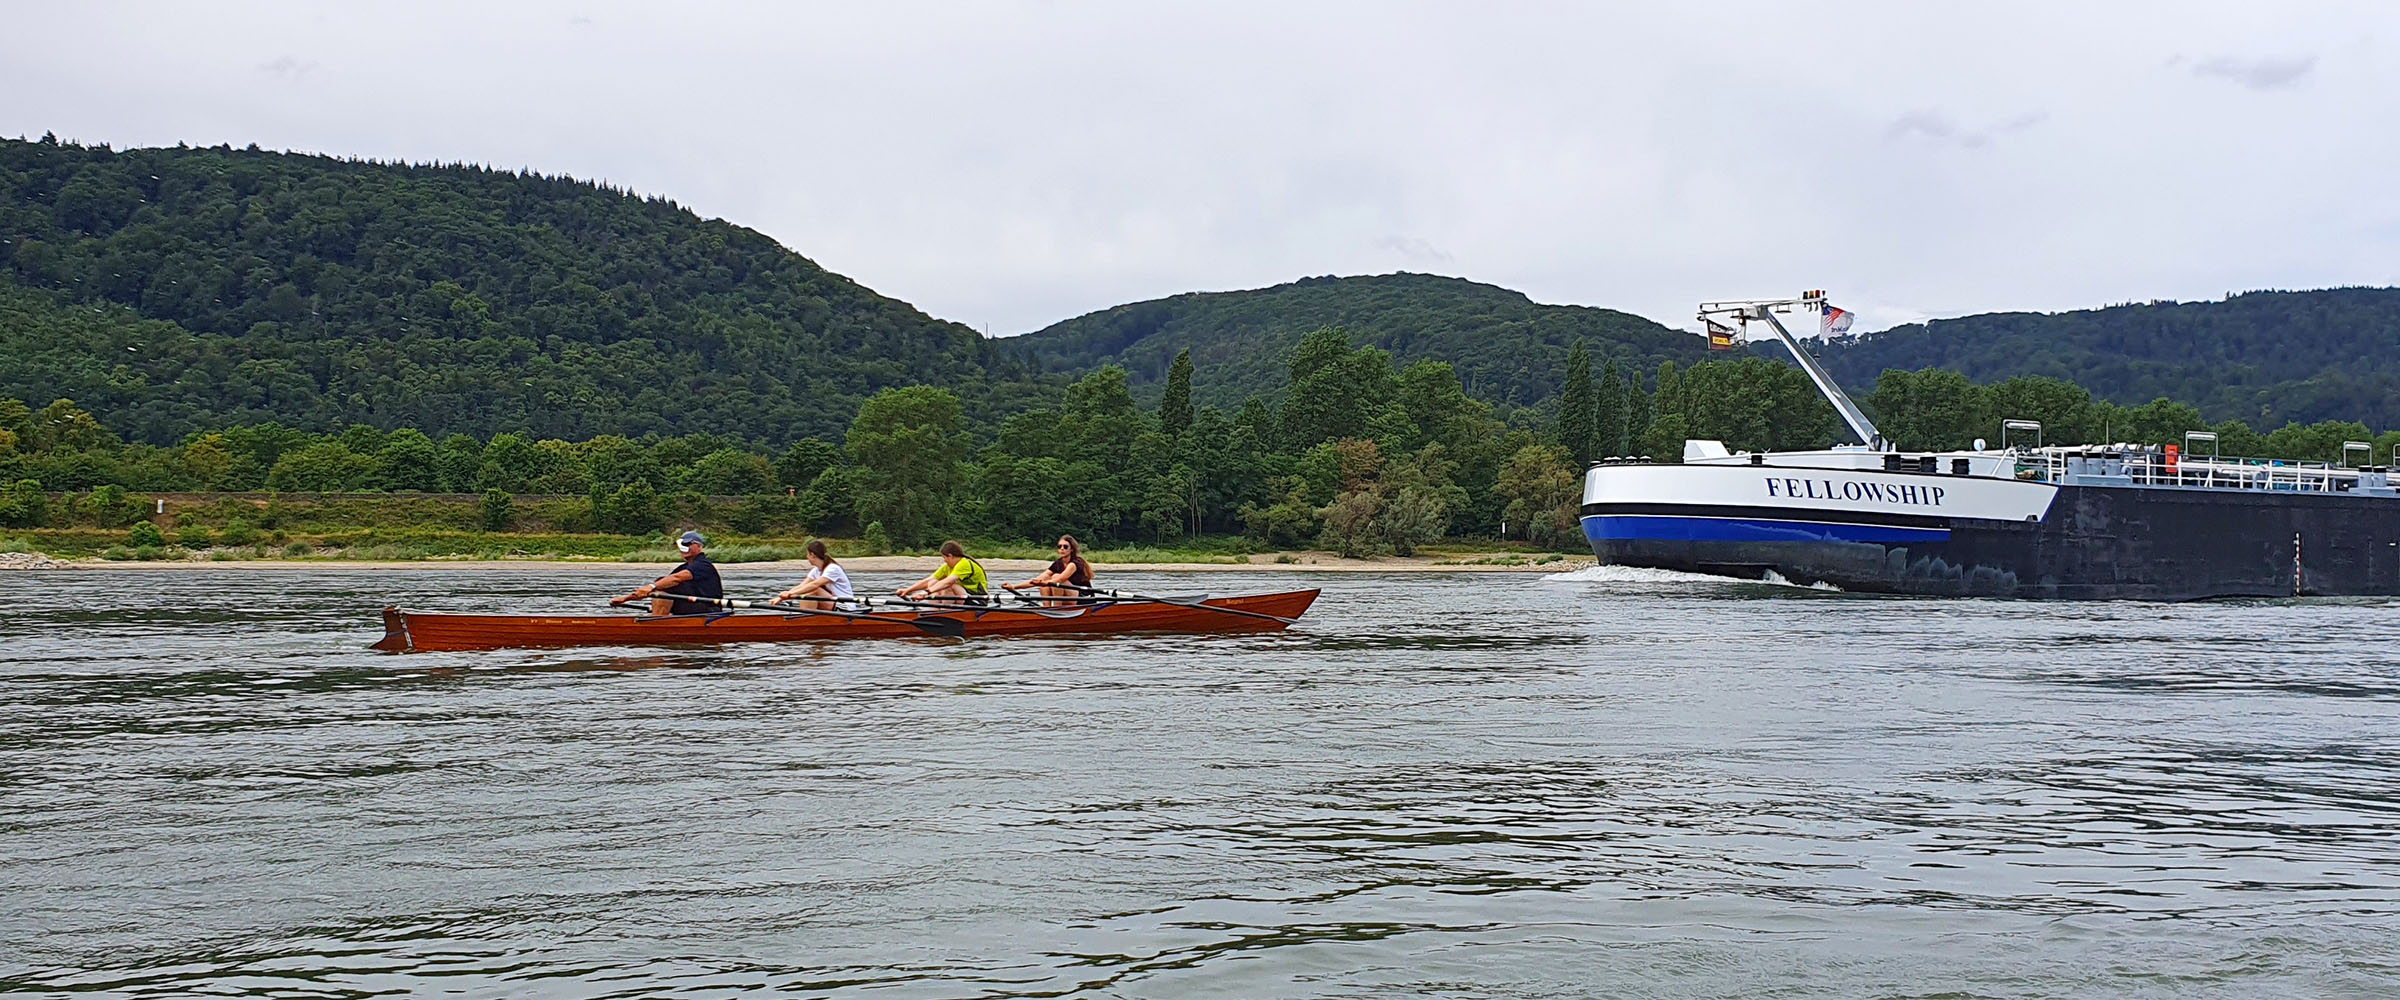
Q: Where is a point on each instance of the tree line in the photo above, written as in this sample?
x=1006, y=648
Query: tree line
x=1356, y=454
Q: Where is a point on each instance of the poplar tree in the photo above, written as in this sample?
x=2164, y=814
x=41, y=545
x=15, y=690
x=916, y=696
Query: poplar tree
x=1175, y=407
x=1637, y=415
x=1608, y=425
x=1577, y=412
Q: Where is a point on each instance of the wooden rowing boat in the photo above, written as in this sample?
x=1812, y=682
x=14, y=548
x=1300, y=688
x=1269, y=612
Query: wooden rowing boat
x=416, y=631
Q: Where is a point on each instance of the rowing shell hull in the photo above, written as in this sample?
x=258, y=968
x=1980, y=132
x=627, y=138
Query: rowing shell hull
x=412, y=632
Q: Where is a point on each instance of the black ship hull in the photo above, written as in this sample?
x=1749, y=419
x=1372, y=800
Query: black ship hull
x=2093, y=543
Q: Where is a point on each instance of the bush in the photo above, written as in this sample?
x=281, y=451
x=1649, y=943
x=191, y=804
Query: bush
x=145, y=535
x=631, y=510
x=22, y=504
x=192, y=536
x=239, y=532
x=497, y=510
x=298, y=549
x=110, y=507
x=148, y=553
x=747, y=517
x=878, y=543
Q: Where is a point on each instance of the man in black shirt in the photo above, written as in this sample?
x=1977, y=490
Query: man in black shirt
x=697, y=577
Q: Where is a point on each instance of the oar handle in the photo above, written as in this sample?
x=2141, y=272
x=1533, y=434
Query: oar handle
x=722, y=602
x=932, y=626
x=1196, y=605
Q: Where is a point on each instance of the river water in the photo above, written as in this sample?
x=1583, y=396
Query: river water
x=1612, y=783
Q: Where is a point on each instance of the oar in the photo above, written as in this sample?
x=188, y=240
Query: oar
x=936, y=608
x=948, y=628
x=1197, y=606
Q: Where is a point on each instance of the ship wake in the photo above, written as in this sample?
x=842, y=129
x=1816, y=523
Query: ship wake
x=1643, y=575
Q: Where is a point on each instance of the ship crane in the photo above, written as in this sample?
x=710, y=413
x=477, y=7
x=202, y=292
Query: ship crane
x=1742, y=311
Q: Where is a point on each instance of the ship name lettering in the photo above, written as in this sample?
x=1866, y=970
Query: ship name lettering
x=1794, y=488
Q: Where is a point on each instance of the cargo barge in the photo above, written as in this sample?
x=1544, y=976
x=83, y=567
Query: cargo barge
x=2115, y=522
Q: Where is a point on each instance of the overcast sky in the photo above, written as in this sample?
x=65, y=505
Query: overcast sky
x=1011, y=165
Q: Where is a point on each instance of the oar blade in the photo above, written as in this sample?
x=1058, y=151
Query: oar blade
x=947, y=628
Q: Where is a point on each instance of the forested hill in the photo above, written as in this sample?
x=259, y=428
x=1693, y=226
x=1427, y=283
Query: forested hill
x=173, y=290
x=1506, y=348
x=2265, y=358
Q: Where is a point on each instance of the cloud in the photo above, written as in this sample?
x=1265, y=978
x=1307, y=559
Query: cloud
x=1415, y=249
x=287, y=67
x=1932, y=125
x=2265, y=73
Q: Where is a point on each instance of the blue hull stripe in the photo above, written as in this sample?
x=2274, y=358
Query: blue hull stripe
x=1653, y=527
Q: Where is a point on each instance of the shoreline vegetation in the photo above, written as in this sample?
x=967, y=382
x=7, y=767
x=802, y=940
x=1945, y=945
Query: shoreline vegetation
x=109, y=528
x=1275, y=562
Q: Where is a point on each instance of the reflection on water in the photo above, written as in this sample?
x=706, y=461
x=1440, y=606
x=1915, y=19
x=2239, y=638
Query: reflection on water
x=1659, y=786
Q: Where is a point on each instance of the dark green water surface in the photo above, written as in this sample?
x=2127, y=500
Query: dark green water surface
x=1609, y=785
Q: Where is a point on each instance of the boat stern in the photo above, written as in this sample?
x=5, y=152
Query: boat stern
x=395, y=632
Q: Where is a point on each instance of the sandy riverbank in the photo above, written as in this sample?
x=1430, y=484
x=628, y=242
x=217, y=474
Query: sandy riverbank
x=1292, y=562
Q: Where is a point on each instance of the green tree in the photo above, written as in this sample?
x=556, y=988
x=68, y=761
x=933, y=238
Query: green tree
x=1175, y=405
x=800, y=463
x=460, y=458
x=497, y=510
x=733, y=472
x=110, y=506
x=508, y=463
x=409, y=461
x=1336, y=392
x=630, y=509
x=1286, y=522
x=1350, y=524
x=1578, y=407
x=1608, y=414
x=63, y=426
x=906, y=447
x=1929, y=409
x=22, y=505
x=324, y=467
x=1543, y=493
x=1640, y=410
x=829, y=502
x=1417, y=498
x=2163, y=421
x=207, y=461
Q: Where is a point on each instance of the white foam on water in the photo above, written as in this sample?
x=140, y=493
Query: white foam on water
x=1633, y=574
x=1643, y=574
x=1780, y=580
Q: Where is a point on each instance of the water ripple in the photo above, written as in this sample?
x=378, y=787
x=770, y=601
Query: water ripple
x=1579, y=785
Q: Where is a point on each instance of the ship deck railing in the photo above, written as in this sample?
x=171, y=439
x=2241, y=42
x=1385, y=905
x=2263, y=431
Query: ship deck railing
x=2141, y=467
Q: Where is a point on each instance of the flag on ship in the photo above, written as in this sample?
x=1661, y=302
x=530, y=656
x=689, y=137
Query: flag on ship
x=1835, y=322
x=1720, y=336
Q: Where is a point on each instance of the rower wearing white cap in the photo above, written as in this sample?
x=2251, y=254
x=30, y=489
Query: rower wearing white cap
x=697, y=577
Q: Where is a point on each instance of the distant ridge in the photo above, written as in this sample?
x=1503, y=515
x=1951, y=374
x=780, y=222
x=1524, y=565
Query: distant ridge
x=2265, y=358
x=173, y=290
x=185, y=289
x=1506, y=347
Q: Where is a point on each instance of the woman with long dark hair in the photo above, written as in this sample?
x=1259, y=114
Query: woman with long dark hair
x=1068, y=576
